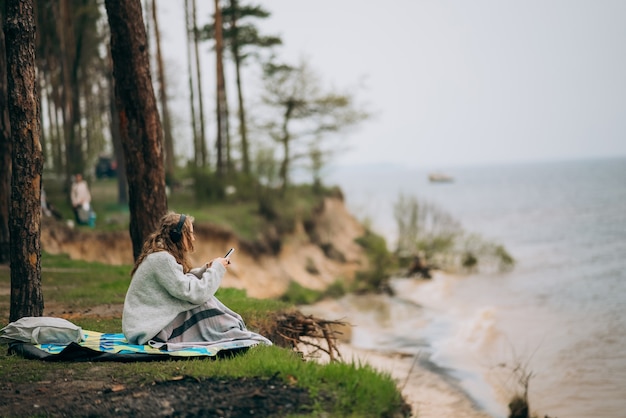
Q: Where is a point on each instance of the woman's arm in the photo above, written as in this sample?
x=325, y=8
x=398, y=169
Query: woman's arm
x=187, y=287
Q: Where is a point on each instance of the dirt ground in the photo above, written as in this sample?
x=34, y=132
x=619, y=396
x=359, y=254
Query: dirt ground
x=62, y=396
x=186, y=397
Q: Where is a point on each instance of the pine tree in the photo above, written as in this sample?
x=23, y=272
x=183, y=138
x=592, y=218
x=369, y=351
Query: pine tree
x=27, y=161
x=140, y=126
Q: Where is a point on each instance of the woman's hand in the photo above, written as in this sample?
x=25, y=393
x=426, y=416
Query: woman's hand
x=223, y=261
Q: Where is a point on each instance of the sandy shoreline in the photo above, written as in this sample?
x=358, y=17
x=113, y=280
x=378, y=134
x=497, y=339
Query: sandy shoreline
x=429, y=393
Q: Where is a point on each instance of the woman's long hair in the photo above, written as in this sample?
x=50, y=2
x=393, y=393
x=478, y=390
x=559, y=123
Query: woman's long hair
x=160, y=240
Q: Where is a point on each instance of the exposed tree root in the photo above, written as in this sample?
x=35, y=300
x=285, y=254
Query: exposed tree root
x=294, y=329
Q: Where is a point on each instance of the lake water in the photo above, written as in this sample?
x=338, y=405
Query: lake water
x=560, y=314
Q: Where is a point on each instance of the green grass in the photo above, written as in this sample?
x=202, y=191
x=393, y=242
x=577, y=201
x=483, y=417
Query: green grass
x=243, y=217
x=240, y=213
x=300, y=295
x=357, y=389
x=79, y=284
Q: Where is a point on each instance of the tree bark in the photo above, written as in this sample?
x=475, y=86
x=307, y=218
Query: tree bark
x=170, y=158
x=27, y=161
x=5, y=153
x=140, y=127
x=71, y=112
x=116, y=138
x=222, y=115
x=203, y=147
x=243, y=130
x=192, y=103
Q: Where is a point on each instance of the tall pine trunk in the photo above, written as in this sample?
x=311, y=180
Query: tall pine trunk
x=5, y=152
x=197, y=150
x=27, y=161
x=71, y=116
x=116, y=135
x=196, y=41
x=140, y=127
x=165, y=112
x=222, y=112
x=243, y=130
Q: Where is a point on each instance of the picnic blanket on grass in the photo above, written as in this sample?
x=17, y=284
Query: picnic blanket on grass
x=97, y=346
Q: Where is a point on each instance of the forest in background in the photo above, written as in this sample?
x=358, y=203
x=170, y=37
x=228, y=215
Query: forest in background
x=77, y=107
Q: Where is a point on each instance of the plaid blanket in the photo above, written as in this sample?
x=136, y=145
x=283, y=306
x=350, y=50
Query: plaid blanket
x=97, y=346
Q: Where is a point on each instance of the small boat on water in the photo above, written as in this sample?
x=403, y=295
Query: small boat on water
x=440, y=178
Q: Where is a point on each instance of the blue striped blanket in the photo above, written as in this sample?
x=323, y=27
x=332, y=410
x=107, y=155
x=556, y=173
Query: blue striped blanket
x=97, y=346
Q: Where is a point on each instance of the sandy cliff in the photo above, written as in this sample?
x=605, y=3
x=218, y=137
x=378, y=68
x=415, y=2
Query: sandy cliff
x=314, y=256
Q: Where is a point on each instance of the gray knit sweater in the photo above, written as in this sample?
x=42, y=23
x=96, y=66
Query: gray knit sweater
x=159, y=291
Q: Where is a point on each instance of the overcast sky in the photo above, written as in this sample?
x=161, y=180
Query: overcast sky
x=461, y=82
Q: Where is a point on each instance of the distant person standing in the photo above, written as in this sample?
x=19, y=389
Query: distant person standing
x=81, y=199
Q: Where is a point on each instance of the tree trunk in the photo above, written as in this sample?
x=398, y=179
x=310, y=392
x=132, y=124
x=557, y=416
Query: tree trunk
x=196, y=41
x=222, y=116
x=53, y=100
x=116, y=135
x=243, y=130
x=42, y=139
x=197, y=150
x=27, y=162
x=73, y=156
x=140, y=127
x=118, y=151
x=286, y=141
x=59, y=133
x=5, y=153
x=170, y=158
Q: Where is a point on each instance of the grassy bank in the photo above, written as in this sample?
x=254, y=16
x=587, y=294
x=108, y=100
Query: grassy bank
x=77, y=290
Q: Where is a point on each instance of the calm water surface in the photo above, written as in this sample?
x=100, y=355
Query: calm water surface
x=559, y=313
